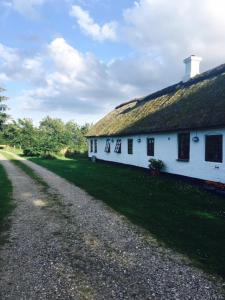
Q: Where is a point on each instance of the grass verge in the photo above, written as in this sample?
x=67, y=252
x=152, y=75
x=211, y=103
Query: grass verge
x=180, y=215
x=24, y=167
x=6, y=205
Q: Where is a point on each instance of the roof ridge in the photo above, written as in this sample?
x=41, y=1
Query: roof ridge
x=209, y=74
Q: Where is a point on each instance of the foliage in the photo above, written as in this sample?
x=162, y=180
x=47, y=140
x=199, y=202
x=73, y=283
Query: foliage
x=3, y=107
x=156, y=165
x=51, y=137
x=178, y=214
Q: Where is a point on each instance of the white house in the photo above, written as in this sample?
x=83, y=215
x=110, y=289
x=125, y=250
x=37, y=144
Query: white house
x=183, y=125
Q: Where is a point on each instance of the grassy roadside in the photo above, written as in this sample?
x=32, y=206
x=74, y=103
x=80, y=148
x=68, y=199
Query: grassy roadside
x=24, y=167
x=180, y=215
x=6, y=205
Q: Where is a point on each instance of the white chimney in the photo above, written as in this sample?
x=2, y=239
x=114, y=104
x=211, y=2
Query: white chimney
x=192, y=64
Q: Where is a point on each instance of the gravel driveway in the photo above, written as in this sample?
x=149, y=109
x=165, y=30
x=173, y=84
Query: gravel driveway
x=64, y=244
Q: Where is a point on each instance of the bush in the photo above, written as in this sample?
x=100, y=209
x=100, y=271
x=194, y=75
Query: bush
x=74, y=154
x=155, y=166
x=31, y=152
x=48, y=156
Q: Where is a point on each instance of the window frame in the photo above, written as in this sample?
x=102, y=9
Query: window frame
x=118, y=147
x=108, y=146
x=95, y=146
x=150, y=150
x=179, y=156
x=130, y=146
x=207, y=158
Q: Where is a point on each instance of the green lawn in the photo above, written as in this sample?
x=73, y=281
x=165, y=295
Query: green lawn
x=178, y=214
x=5, y=200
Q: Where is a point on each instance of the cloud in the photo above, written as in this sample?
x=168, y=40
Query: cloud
x=62, y=78
x=18, y=67
x=25, y=7
x=107, y=31
x=171, y=30
x=8, y=55
x=77, y=81
x=160, y=33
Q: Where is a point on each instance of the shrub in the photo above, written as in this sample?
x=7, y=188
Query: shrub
x=75, y=154
x=48, y=156
x=155, y=166
x=31, y=151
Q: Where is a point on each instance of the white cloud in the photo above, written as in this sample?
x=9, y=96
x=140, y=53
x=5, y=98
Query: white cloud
x=3, y=78
x=25, y=7
x=8, y=55
x=77, y=81
x=17, y=67
x=62, y=78
x=100, y=33
x=161, y=33
x=171, y=30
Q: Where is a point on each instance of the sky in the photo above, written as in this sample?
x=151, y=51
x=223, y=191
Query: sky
x=78, y=59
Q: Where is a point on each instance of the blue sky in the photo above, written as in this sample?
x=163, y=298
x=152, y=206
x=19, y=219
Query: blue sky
x=77, y=59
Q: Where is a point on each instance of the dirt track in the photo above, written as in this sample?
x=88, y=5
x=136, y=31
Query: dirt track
x=63, y=244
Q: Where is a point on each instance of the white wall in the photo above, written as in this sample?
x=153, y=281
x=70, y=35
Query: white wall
x=166, y=149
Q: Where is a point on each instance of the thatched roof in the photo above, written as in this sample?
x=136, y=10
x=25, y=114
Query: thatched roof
x=195, y=104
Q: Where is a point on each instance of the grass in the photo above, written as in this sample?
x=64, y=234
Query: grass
x=180, y=215
x=24, y=167
x=6, y=204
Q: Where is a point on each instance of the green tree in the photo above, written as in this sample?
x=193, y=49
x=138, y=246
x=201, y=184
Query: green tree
x=52, y=135
x=3, y=108
x=26, y=133
x=11, y=134
x=76, y=140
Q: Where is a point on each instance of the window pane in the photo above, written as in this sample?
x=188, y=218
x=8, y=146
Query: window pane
x=151, y=147
x=91, y=145
x=96, y=146
x=184, y=146
x=130, y=146
x=118, y=146
x=214, y=148
x=107, y=146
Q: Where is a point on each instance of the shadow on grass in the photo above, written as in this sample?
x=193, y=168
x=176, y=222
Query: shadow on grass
x=178, y=214
x=6, y=204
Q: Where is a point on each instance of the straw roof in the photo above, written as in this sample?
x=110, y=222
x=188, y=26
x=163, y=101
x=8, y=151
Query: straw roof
x=196, y=104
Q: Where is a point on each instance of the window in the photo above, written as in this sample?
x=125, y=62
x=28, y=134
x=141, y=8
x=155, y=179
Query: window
x=184, y=146
x=214, y=148
x=91, y=146
x=95, y=146
x=118, y=146
x=130, y=146
x=151, y=147
x=107, y=146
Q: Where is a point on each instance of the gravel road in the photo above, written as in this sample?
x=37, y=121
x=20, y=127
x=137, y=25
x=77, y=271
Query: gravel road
x=64, y=244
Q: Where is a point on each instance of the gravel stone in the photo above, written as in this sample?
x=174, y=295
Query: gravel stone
x=64, y=244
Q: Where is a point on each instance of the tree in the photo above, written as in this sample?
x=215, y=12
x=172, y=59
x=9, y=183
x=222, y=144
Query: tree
x=3, y=115
x=11, y=134
x=52, y=135
x=76, y=140
x=3, y=108
x=22, y=134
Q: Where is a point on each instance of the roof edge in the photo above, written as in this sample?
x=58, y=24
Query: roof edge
x=158, y=131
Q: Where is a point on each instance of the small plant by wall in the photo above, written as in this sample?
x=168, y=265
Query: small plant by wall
x=155, y=166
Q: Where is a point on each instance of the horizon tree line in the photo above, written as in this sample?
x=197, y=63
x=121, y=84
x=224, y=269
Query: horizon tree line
x=52, y=136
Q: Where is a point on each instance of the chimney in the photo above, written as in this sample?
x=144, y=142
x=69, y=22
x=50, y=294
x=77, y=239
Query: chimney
x=192, y=64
